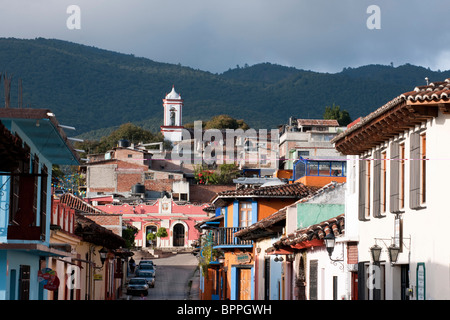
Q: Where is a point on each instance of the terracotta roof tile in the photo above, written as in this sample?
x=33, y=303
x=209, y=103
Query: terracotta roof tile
x=434, y=91
x=294, y=190
x=318, y=122
x=78, y=204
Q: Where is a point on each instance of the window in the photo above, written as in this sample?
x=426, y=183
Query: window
x=302, y=154
x=423, y=167
x=376, y=210
x=394, y=194
x=24, y=282
x=24, y=167
x=383, y=182
x=367, y=182
x=43, y=212
x=362, y=190
x=417, y=188
x=245, y=214
x=149, y=176
x=402, y=177
x=130, y=155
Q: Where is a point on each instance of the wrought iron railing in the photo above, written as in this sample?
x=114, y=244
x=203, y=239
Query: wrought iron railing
x=225, y=236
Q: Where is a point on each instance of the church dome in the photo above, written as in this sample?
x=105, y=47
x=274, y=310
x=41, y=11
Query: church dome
x=173, y=95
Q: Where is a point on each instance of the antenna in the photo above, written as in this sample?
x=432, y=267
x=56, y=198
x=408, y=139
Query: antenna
x=7, y=85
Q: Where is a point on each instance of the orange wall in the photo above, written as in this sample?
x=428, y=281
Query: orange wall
x=283, y=174
x=266, y=207
x=320, y=181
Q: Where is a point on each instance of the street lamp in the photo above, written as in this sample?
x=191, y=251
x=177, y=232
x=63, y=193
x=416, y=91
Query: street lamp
x=393, y=253
x=330, y=241
x=103, y=252
x=375, y=252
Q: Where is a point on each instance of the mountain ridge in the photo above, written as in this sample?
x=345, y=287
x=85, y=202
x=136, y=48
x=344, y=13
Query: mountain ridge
x=96, y=89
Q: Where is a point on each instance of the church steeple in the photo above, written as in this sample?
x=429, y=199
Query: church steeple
x=173, y=105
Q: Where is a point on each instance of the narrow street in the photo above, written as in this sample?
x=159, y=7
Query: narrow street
x=173, y=279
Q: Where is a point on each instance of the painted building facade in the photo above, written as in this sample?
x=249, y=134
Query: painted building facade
x=178, y=218
x=241, y=209
x=396, y=195
x=34, y=141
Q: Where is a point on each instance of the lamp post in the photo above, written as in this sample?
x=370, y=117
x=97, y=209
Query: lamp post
x=375, y=251
x=330, y=242
x=103, y=252
x=393, y=253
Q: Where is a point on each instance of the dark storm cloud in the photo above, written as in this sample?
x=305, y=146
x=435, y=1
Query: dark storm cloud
x=321, y=35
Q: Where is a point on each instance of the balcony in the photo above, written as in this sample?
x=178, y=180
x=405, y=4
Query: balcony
x=224, y=237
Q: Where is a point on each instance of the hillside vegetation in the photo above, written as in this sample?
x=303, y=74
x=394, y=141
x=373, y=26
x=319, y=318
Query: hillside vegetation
x=97, y=90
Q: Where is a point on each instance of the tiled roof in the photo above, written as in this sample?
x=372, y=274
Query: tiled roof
x=259, y=227
x=293, y=190
x=318, y=122
x=78, y=204
x=315, y=232
x=96, y=234
x=404, y=111
x=433, y=91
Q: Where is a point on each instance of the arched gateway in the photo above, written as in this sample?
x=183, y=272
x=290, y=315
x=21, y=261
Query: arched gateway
x=178, y=235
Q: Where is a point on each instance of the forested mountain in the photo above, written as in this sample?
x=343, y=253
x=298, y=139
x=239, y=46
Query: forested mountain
x=95, y=89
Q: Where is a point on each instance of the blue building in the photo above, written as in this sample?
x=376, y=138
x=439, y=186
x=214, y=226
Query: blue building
x=31, y=142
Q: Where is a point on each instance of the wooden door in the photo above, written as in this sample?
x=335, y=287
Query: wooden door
x=245, y=276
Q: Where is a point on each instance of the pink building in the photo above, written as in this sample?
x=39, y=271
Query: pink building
x=179, y=219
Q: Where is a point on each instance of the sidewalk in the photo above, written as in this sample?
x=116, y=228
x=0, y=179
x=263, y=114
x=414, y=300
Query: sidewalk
x=193, y=289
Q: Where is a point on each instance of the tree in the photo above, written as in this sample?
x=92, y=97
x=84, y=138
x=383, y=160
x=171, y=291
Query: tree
x=151, y=237
x=127, y=131
x=162, y=233
x=129, y=235
x=223, y=175
x=224, y=121
x=334, y=112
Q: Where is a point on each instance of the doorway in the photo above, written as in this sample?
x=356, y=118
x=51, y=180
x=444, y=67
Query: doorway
x=245, y=278
x=178, y=235
x=150, y=240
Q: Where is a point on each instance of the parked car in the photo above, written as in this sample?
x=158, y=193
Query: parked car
x=143, y=268
x=147, y=262
x=137, y=286
x=149, y=276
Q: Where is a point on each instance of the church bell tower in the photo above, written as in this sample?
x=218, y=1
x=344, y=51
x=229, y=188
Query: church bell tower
x=173, y=106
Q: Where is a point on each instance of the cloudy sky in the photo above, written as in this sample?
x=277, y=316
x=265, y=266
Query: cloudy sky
x=211, y=35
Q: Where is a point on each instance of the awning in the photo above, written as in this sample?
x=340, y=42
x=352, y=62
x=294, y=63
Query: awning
x=36, y=249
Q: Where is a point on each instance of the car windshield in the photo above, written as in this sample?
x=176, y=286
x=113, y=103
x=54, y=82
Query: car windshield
x=137, y=281
x=146, y=267
x=145, y=262
x=146, y=274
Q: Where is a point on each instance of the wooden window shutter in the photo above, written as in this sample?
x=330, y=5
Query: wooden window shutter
x=362, y=190
x=414, y=171
x=394, y=177
x=43, y=206
x=376, y=184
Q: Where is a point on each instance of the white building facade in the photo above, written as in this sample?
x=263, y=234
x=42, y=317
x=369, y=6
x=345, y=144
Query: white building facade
x=397, y=197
